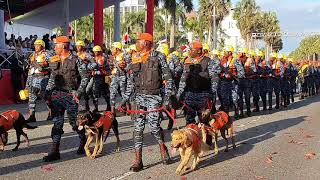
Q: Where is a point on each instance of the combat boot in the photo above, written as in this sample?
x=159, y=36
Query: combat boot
x=32, y=117
x=277, y=102
x=248, y=112
x=264, y=105
x=54, y=154
x=241, y=113
x=236, y=112
x=164, y=154
x=256, y=109
x=81, y=146
x=137, y=165
x=292, y=98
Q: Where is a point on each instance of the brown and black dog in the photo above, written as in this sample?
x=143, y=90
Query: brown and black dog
x=13, y=119
x=213, y=123
x=96, y=125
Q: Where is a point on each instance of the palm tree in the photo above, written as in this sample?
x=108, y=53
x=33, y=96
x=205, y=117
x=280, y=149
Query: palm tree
x=206, y=11
x=269, y=23
x=247, y=16
x=171, y=6
x=85, y=26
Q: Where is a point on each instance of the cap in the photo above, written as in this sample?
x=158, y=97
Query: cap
x=146, y=37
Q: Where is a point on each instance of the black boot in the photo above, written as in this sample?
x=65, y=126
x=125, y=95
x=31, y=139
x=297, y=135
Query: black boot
x=241, y=113
x=292, y=98
x=137, y=165
x=248, y=112
x=236, y=112
x=54, y=154
x=256, y=109
x=264, y=105
x=277, y=102
x=32, y=117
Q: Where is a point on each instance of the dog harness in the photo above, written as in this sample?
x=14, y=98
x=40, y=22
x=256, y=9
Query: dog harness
x=196, y=140
x=105, y=121
x=7, y=119
x=219, y=119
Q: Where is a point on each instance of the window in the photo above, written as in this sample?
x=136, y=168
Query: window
x=141, y=2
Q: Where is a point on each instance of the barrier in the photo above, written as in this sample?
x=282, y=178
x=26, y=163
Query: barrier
x=6, y=88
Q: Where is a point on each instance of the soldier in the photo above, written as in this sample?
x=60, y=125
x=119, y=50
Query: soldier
x=231, y=71
x=198, y=82
x=303, y=77
x=38, y=77
x=87, y=59
x=261, y=87
x=63, y=93
x=265, y=83
x=150, y=73
x=293, y=73
x=244, y=82
x=97, y=83
x=284, y=83
x=277, y=74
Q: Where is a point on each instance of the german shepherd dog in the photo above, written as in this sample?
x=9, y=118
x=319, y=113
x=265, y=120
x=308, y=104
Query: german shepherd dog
x=13, y=119
x=96, y=125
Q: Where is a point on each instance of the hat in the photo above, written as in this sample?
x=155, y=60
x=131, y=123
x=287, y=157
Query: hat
x=146, y=37
x=117, y=45
x=196, y=45
x=80, y=43
x=39, y=42
x=96, y=49
x=62, y=39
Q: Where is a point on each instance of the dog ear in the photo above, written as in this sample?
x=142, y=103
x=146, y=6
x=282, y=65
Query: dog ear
x=187, y=140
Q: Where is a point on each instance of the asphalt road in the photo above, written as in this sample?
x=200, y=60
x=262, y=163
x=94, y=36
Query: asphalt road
x=270, y=145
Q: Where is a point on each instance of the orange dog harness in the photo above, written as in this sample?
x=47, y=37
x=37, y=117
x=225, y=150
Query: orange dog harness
x=7, y=119
x=105, y=120
x=219, y=119
x=196, y=140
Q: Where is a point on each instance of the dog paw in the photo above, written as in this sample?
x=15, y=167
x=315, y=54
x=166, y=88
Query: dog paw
x=92, y=157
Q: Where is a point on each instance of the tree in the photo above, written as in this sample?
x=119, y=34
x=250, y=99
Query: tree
x=206, y=12
x=307, y=48
x=171, y=6
x=247, y=16
x=269, y=23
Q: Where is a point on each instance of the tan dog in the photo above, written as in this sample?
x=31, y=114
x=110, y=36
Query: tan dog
x=190, y=142
x=219, y=121
x=96, y=125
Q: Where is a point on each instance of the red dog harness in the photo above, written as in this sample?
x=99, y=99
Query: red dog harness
x=196, y=140
x=219, y=119
x=7, y=119
x=105, y=120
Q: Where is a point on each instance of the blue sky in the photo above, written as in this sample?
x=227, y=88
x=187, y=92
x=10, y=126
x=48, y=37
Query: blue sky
x=294, y=16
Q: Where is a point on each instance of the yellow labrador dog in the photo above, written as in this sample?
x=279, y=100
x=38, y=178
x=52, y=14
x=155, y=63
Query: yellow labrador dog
x=190, y=142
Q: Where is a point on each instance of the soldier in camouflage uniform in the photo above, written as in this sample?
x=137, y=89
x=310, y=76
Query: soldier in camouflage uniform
x=293, y=77
x=284, y=83
x=150, y=73
x=87, y=59
x=100, y=69
x=265, y=83
x=63, y=94
x=38, y=77
x=198, y=82
x=277, y=74
x=231, y=71
x=261, y=87
x=244, y=82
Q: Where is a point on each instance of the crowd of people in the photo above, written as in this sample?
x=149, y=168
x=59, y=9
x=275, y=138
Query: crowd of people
x=148, y=77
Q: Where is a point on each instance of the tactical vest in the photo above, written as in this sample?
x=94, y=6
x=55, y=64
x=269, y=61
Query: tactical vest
x=148, y=76
x=197, y=76
x=7, y=119
x=66, y=73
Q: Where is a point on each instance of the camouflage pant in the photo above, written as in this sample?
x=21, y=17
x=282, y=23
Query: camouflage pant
x=225, y=94
x=98, y=87
x=147, y=102
x=36, y=87
x=196, y=103
x=60, y=102
x=244, y=89
x=255, y=86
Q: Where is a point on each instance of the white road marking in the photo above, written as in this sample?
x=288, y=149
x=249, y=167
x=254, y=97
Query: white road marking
x=122, y=176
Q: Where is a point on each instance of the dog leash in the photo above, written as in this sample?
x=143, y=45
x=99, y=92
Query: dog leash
x=162, y=108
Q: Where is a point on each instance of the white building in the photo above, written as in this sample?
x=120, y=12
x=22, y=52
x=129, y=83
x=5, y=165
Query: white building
x=129, y=6
x=232, y=35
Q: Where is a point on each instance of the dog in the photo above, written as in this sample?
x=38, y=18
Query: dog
x=190, y=142
x=212, y=123
x=13, y=119
x=96, y=125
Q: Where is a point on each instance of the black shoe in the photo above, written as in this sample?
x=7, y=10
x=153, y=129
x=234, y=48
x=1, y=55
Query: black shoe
x=270, y=109
x=53, y=156
x=248, y=113
x=277, y=107
x=32, y=118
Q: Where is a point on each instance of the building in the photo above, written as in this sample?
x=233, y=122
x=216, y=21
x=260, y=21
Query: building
x=231, y=33
x=129, y=6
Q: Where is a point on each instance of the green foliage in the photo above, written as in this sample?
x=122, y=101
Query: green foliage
x=307, y=47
